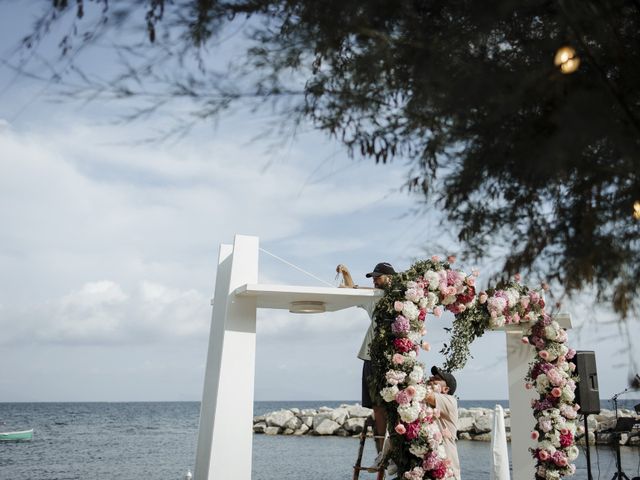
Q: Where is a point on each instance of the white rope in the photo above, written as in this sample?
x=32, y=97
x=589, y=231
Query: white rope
x=296, y=267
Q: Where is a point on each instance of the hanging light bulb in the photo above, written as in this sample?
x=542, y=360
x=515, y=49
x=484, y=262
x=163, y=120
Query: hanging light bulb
x=567, y=59
x=636, y=210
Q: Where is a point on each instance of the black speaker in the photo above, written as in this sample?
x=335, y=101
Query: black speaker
x=587, y=394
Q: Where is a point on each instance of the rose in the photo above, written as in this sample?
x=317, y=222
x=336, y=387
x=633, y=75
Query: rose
x=535, y=435
x=413, y=430
x=400, y=429
x=425, y=346
x=400, y=325
x=482, y=298
x=437, y=311
x=544, y=354
x=398, y=359
x=403, y=345
x=398, y=306
x=556, y=392
x=543, y=455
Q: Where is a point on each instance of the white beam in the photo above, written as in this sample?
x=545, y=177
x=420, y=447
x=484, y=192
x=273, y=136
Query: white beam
x=230, y=373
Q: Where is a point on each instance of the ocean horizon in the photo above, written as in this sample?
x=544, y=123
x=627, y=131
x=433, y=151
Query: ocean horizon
x=157, y=441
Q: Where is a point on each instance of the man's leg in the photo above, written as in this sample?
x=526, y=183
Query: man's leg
x=380, y=418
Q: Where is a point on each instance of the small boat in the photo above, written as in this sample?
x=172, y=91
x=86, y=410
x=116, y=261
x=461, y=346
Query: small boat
x=13, y=436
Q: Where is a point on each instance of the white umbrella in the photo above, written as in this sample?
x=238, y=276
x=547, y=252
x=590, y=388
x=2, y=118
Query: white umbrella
x=499, y=453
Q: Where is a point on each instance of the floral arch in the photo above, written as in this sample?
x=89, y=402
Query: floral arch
x=431, y=287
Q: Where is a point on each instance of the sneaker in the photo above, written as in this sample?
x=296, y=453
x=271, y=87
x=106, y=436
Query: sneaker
x=392, y=468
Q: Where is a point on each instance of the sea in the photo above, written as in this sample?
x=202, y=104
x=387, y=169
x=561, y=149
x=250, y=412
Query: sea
x=157, y=441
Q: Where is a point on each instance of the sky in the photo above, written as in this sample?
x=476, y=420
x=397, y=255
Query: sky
x=108, y=252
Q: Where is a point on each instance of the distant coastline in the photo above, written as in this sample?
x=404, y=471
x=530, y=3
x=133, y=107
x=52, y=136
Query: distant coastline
x=475, y=422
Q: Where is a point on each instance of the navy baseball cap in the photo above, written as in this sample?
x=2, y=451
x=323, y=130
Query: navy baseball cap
x=383, y=268
x=449, y=379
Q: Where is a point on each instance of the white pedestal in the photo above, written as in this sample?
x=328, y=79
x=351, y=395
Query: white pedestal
x=519, y=356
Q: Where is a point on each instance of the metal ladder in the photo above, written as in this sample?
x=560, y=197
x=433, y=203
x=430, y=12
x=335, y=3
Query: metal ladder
x=357, y=468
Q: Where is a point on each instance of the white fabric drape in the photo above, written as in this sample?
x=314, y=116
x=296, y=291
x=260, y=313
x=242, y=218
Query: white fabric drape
x=499, y=452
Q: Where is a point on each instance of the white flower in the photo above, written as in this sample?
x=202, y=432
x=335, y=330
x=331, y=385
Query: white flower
x=411, y=284
x=421, y=392
x=572, y=452
x=414, y=294
x=409, y=413
x=433, y=279
x=496, y=304
x=567, y=395
x=410, y=311
x=416, y=375
x=542, y=383
x=418, y=450
x=449, y=299
x=389, y=393
x=512, y=297
x=551, y=332
x=395, y=376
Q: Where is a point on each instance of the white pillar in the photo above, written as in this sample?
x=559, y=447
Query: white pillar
x=519, y=355
x=226, y=414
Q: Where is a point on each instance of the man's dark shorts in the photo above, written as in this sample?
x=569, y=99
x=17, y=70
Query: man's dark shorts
x=367, y=372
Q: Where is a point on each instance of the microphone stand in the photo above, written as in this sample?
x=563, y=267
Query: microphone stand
x=619, y=475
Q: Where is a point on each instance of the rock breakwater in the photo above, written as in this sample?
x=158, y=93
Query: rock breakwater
x=473, y=423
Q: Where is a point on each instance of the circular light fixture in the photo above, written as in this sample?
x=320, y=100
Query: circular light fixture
x=307, y=306
x=567, y=59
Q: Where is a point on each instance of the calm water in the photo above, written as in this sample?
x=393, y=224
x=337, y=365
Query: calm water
x=158, y=440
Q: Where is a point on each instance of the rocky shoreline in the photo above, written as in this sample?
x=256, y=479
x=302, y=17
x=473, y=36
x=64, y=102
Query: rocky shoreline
x=473, y=423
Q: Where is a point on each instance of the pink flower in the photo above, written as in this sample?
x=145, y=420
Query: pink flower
x=471, y=281
x=398, y=359
x=543, y=354
x=440, y=471
x=570, y=354
x=400, y=429
x=435, y=258
x=524, y=301
x=543, y=455
x=556, y=392
x=413, y=429
x=535, y=435
x=451, y=259
x=423, y=332
x=525, y=340
x=516, y=318
x=403, y=397
x=425, y=346
x=398, y=306
x=422, y=315
x=437, y=311
x=528, y=385
x=534, y=296
x=517, y=277
x=482, y=298
x=400, y=325
x=566, y=439
x=403, y=345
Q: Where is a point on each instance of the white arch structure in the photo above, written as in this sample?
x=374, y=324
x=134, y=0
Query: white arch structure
x=224, y=449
